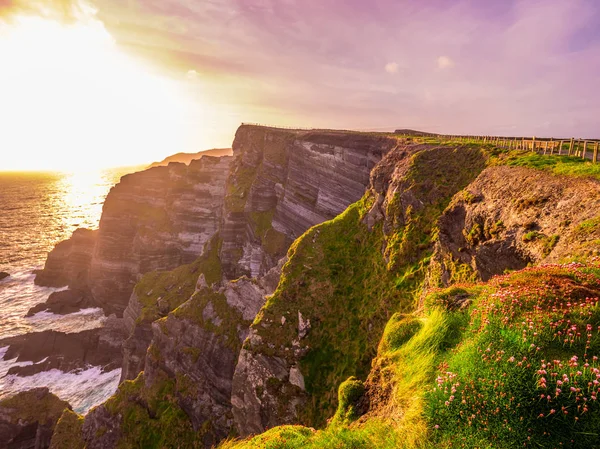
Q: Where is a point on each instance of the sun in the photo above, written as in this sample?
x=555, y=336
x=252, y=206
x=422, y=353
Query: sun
x=71, y=99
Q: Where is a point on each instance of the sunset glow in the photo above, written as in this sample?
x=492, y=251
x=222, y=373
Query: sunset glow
x=71, y=99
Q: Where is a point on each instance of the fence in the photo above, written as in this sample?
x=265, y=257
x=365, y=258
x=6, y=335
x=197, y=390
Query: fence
x=586, y=149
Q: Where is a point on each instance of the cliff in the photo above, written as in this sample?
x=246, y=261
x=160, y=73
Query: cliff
x=187, y=158
x=152, y=220
x=349, y=287
x=280, y=183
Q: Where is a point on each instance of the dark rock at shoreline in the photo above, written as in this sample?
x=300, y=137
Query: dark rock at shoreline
x=66, y=352
x=64, y=302
x=27, y=420
x=3, y=275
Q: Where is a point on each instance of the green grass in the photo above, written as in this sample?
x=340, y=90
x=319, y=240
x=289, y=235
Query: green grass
x=526, y=331
x=478, y=368
x=373, y=434
x=559, y=165
x=67, y=433
x=172, y=288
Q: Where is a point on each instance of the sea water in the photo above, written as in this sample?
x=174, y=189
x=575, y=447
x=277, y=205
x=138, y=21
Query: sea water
x=38, y=210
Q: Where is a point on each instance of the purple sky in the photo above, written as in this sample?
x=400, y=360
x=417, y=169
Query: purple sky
x=521, y=67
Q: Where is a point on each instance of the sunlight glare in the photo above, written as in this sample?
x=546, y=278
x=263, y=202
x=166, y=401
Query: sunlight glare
x=69, y=99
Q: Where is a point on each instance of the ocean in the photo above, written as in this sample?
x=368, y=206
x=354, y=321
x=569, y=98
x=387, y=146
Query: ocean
x=38, y=210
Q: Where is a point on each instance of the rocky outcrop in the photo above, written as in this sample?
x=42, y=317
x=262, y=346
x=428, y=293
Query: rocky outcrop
x=69, y=262
x=3, y=275
x=66, y=352
x=27, y=420
x=193, y=353
x=495, y=225
x=325, y=320
x=64, y=302
x=157, y=219
x=280, y=184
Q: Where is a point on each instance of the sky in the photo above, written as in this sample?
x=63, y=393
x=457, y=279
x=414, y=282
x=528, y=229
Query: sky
x=131, y=81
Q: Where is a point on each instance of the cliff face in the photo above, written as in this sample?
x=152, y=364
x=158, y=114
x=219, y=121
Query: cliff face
x=283, y=182
x=495, y=225
x=152, y=220
x=186, y=326
x=27, y=420
x=344, y=277
x=69, y=262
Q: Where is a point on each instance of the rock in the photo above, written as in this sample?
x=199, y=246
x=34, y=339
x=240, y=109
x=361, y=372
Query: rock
x=69, y=262
x=3, y=275
x=64, y=302
x=27, y=420
x=303, y=326
x=494, y=226
x=66, y=352
x=68, y=432
x=156, y=219
x=298, y=179
x=296, y=377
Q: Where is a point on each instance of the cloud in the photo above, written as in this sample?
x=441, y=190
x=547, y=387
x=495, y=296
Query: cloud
x=64, y=10
x=444, y=62
x=391, y=67
x=191, y=75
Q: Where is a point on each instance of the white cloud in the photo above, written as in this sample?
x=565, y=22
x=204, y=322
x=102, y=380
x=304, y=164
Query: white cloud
x=391, y=67
x=444, y=62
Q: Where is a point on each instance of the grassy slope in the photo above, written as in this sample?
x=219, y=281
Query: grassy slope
x=484, y=375
x=338, y=278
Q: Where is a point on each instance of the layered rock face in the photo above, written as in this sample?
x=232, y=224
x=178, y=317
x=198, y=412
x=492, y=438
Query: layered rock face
x=27, y=420
x=69, y=262
x=280, y=183
x=157, y=219
x=283, y=182
x=495, y=225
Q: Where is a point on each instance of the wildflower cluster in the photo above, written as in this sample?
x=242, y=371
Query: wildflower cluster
x=527, y=371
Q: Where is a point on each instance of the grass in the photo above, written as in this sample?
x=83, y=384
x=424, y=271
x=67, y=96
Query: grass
x=509, y=363
x=559, y=165
x=67, y=433
x=524, y=375
x=374, y=434
x=160, y=292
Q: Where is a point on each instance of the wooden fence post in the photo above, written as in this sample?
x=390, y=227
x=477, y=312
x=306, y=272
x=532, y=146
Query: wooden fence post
x=584, y=149
x=551, y=146
x=571, y=146
x=595, y=157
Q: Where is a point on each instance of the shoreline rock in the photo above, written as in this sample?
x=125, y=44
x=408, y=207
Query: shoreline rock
x=28, y=419
x=64, y=303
